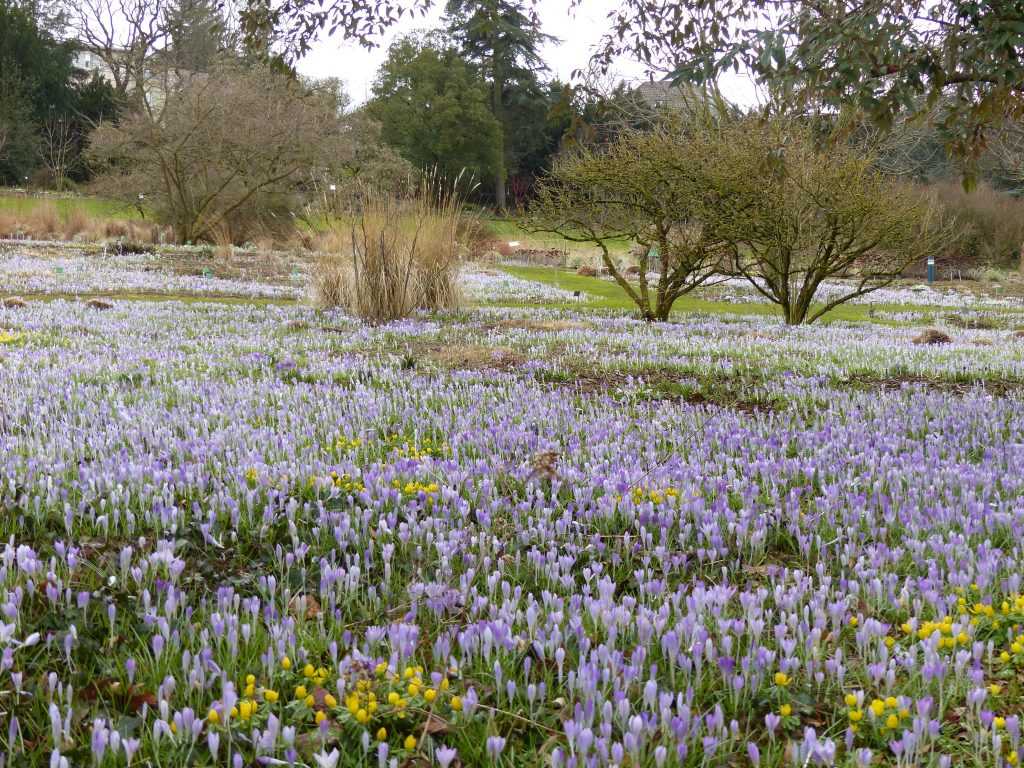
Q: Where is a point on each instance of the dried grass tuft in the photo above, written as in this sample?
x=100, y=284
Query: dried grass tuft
x=397, y=255
x=932, y=336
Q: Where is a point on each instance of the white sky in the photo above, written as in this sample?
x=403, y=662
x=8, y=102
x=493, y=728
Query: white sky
x=578, y=31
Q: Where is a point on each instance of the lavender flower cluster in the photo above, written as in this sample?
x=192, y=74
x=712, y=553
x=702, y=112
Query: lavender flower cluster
x=251, y=536
x=128, y=273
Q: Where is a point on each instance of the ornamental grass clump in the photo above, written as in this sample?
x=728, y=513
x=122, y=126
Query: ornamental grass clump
x=394, y=255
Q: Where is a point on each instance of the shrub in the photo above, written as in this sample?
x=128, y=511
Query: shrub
x=796, y=213
x=228, y=152
x=585, y=271
x=646, y=187
x=396, y=256
x=992, y=223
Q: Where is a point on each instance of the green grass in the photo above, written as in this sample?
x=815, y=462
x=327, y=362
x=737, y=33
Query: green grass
x=94, y=207
x=511, y=229
x=607, y=294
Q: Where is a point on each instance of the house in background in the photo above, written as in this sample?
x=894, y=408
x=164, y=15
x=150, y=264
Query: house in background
x=157, y=78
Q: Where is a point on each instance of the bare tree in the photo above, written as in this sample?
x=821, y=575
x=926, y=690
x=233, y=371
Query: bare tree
x=226, y=153
x=126, y=35
x=58, y=148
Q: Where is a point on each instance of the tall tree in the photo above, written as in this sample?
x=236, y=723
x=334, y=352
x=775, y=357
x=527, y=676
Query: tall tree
x=433, y=109
x=126, y=35
x=36, y=85
x=879, y=55
x=199, y=34
x=503, y=37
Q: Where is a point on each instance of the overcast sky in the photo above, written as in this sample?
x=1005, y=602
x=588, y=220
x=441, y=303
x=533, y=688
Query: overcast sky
x=578, y=32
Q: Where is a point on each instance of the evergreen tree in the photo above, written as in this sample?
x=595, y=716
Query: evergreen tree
x=198, y=34
x=503, y=38
x=433, y=109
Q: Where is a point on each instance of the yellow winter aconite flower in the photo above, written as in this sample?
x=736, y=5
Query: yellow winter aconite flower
x=999, y=723
x=308, y=671
x=393, y=697
x=995, y=689
x=891, y=702
x=320, y=716
x=781, y=678
x=456, y=703
x=851, y=699
x=410, y=742
x=878, y=707
x=785, y=710
x=330, y=701
x=246, y=709
x=213, y=716
x=892, y=721
x=300, y=691
x=429, y=695
x=270, y=696
x=286, y=663
x=856, y=715
x=382, y=734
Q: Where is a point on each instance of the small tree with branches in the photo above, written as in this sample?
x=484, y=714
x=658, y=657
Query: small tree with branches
x=646, y=188
x=797, y=214
x=58, y=148
x=227, y=152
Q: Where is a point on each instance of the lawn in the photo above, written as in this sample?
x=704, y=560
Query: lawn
x=94, y=207
x=601, y=293
x=513, y=230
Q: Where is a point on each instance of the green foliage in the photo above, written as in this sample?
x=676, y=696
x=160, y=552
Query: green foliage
x=18, y=140
x=503, y=38
x=962, y=56
x=432, y=108
x=35, y=83
x=199, y=35
x=33, y=57
x=39, y=90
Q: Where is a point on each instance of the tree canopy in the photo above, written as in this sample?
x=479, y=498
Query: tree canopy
x=886, y=58
x=432, y=107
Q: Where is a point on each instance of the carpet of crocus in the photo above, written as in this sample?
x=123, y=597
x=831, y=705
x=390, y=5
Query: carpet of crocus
x=243, y=535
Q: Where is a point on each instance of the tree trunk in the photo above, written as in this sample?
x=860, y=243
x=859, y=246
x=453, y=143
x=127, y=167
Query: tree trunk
x=497, y=98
